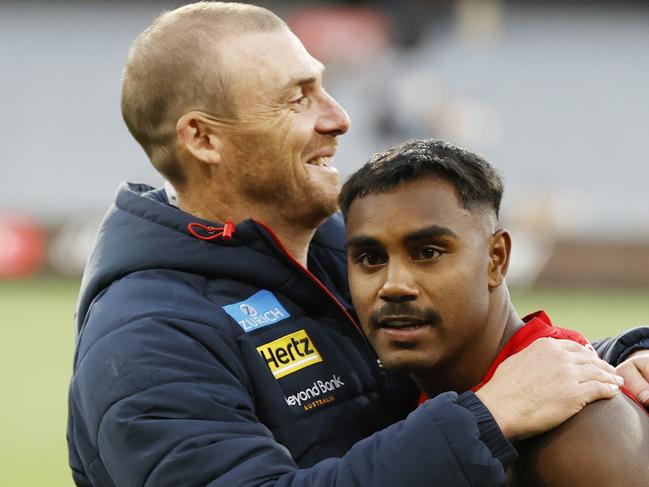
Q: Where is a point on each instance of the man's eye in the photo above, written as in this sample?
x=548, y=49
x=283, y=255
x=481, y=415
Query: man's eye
x=428, y=253
x=301, y=100
x=369, y=259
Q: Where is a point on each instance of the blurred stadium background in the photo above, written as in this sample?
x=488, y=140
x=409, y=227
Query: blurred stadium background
x=553, y=92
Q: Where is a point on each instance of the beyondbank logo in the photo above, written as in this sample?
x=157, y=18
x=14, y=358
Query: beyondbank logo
x=259, y=310
x=289, y=353
x=318, y=394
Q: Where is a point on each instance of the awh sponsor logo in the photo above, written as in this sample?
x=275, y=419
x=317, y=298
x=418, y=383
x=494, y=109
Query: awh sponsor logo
x=259, y=310
x=316, y=395
x=290, y=353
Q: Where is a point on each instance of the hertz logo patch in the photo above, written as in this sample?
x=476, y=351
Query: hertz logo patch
x=289, y=353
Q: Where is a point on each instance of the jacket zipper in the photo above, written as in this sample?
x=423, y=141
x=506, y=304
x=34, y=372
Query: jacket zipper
x=309, y=274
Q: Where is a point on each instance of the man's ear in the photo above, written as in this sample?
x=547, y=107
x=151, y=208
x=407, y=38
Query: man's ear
x=198, y=136
x=499, y=250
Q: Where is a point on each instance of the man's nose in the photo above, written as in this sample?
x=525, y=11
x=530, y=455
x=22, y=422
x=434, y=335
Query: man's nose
x=333, y=120
x=398, y=286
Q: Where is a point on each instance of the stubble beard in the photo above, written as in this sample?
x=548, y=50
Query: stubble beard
x=287, y=190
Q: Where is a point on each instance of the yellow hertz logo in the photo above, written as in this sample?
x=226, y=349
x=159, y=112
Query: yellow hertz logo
x=289, y=353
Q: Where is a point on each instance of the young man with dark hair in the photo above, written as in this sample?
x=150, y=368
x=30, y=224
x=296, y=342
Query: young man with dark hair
x=430, y=293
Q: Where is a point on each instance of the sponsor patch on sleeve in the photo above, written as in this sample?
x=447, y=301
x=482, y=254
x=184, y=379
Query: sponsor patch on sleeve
x=289, y=353
x=259, y=310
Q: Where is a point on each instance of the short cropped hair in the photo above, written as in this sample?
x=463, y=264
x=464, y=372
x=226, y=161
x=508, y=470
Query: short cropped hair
x=475, y=180
x=174, y=67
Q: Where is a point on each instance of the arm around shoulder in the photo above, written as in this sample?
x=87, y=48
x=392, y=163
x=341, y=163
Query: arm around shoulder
x=605, y=445
x=168, y=410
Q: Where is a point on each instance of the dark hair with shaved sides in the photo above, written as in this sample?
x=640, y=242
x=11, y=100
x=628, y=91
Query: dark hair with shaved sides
x=476, y=180
x=173, y=67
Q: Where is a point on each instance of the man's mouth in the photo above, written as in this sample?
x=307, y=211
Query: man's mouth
x=319, y=161
x=402, y=323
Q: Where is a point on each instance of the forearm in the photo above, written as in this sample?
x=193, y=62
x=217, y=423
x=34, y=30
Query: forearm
x=196, y=421
x=449, y=440
x=441, y=441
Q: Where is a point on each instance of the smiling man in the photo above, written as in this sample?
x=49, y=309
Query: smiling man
x=431, y=296
x=216, y=343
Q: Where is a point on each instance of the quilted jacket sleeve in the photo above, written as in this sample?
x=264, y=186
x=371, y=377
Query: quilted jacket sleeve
x=617, y=350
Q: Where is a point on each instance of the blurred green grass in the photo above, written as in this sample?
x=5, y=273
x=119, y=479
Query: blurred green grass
x=36, y=362
x=38, y=346
x=596, y=313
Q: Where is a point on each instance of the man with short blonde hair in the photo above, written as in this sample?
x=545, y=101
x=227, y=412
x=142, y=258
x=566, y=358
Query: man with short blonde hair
x=175, y=66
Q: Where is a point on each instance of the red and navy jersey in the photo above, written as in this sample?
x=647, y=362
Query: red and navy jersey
x=537, y=325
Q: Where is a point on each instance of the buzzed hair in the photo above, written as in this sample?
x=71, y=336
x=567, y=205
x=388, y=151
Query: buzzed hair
x=476, y=181
x=174, y=67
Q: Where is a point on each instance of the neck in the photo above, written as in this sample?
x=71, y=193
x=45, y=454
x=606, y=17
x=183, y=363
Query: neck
x=295, y=237
x=469, y=366
x=295, y=240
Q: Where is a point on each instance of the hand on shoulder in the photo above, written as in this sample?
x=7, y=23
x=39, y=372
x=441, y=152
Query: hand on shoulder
x=545, y=384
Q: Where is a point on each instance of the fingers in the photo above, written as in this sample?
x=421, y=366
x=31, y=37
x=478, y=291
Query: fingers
x=595, y=390
x=566, y=344
x=635, y=371
x=583, y=357
x=585, y=365
x=574, y=347
x=594, y=371
x=580, y=354
x=636, y=383
x=545, y=384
